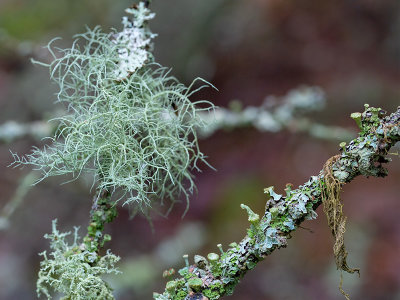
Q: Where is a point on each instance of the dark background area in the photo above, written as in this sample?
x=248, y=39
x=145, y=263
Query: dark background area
x=248, y=50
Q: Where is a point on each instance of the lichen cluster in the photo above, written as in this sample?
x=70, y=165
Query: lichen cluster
x=74, y=271
x=103, y=211
x=134, y=41
x=218, y=275
x=363, y=156
x=272, y=116
x=366, y=154
x=130, y=124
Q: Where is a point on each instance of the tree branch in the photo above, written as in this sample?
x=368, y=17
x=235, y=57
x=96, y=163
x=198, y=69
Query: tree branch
x=103, y=211
x=218, y=275
x=274, y=115
x=277, y=114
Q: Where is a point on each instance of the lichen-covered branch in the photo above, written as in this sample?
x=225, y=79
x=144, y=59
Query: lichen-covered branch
x=273, y=115
x=276, y=115
x=24, y=186
x=74, y=271
x=129, y=123
x=103, y=211
x=12, y=130
x=218, y=274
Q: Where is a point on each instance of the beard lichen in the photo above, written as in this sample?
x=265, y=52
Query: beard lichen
x=333, y=209
x=130, y=123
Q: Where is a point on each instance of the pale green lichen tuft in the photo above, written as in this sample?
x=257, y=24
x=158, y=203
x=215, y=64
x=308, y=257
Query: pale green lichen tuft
x=73, y=271
x=130, y=123
x=357, y=117
x=253, y=217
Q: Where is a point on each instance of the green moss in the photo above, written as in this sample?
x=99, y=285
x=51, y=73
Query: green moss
x=181, y=295
x=195, y=283
x=230, y=288
x=370, y=120
x=212, y=294
x=251, y=264
x=251, y=233
x=104, y=213
x=184, y=272
x=171, y=286
x=216, y=270
x=233, y=245
x=214, y=291
x=279, y=223
x=217, y=286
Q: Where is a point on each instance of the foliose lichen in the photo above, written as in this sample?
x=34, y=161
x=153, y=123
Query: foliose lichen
x=283, y=214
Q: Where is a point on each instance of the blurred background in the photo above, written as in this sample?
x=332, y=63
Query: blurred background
x=248, y=49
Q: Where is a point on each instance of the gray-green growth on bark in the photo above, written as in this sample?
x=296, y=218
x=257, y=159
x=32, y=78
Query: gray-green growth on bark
x=133, y=127
x=218, y=274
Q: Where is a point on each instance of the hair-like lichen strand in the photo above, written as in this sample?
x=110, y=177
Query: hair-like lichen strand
x=132, y=127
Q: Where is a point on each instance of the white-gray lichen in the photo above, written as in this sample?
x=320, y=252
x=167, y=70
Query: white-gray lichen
x=73, y=271
x=130, y=123
x=272, y=116
x=134, y=41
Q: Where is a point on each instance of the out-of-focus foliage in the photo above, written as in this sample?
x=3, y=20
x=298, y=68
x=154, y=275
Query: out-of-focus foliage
x=30, y=21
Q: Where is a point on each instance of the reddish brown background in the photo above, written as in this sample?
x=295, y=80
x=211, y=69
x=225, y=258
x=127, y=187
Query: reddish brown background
x=248, y=50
